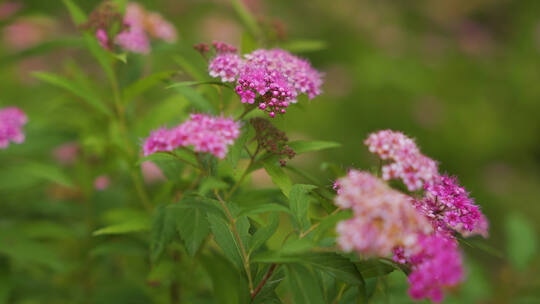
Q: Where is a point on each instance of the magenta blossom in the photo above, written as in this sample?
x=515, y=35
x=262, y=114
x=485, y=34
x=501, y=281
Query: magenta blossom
x=134, y=40
x=12, y=119
x=407, y=162
x=436, y=267
x=272, y=78
x=449, y=207
x=206, y=134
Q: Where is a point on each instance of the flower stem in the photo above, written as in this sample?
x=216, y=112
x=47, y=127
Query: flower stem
x=263, y=281
x=245, y=256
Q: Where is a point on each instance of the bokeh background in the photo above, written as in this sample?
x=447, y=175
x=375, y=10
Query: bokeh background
x=460, y=76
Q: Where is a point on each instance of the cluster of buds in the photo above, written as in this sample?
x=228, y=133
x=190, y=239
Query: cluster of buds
x=272, y=140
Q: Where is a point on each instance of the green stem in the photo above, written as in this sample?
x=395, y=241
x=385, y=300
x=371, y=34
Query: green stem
x=245, y=256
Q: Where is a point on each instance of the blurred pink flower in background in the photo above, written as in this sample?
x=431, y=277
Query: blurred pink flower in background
x=217, y=27
x=9, y=8
x=160, y=28
x=102, y=182
x=134, y=40
x=11, y=121
x=66, y=154
x=151, y=172
x=103, y=38
x=26, y=32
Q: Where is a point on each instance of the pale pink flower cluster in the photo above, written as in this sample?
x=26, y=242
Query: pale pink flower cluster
x=12, y=119
x=204, y=133
x=142, y=23
x=383, y=218
x=272, y=78
x=66, y=154
x=102, y=182
x=407, y=162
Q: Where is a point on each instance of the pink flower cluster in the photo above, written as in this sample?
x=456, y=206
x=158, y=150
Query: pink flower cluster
x=203, y=132
x=140, y=23
x=449, y=207
x=12, y=119
x=437, y=266
x=272, y=78
x=408, y=163
x=383, y=218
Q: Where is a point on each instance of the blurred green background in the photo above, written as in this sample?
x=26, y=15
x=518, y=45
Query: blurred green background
x=460, y=76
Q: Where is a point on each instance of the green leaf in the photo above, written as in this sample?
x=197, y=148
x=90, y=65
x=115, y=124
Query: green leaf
x=226, y=239
x=103, y=57
x=303, y=285
x=373, y=268
x=196, y=99
x=144, y=84
x=76, y=13
x=247, y=19
x=301, y=146
x=46, y=172
x=129, y=226
x=279, y=178
x=271, y=207
x=299, y=203
x=521, y=240
x=248, y=43
x=229, y=286
x=329, y=222
x=264, y=233
x=302, y=46
x=75, y=89
x=210, y=183
x=28, y=252
x=334, y=264
x=192, y=226
x=189, y=67
x=235, y=151
x=42, y=48
x=163, y=231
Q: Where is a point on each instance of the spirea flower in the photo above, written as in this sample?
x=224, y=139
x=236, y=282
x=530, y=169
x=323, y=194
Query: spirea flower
x=406, y=161
x=436, y=267
x=226, y=66
x=449, y=206
x=132, y=30
x=66, y=154
x=272, y=78
x=134, y=40
x=383, y=218
x=206, y=134
x=12, y=119
x=101, y=182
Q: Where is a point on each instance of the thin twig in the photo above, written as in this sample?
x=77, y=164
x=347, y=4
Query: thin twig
x=263, y=281
x=238, y=239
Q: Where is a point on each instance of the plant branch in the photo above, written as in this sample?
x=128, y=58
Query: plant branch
x=238, y=239
x=263, y=281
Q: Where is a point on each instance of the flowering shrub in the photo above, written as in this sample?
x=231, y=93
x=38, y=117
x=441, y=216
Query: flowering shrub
x=188, y=176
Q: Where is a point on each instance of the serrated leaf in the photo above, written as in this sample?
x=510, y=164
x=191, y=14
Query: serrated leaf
x=334, y=264
x=75, y=89
x=279, y=178
x=301, y=146
x=264, y=233
x=193, y=227
x=210, y=183
x=373, y=268
x=329, y=222
x=129, y=226
x=262, y=208
x=303, y=285
x=299, y=203
x=163, y=231
x=226, y=239
x=144, y=84
x=229, y=286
